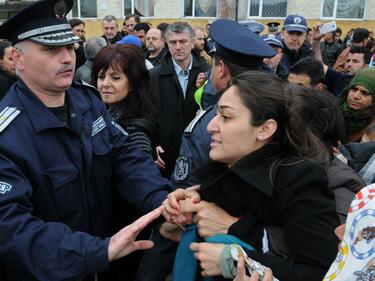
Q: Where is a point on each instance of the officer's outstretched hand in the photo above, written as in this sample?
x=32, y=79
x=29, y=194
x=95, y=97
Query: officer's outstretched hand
x=123, y=242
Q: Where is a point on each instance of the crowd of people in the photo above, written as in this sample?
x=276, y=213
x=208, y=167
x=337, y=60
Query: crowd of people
x=230, y=152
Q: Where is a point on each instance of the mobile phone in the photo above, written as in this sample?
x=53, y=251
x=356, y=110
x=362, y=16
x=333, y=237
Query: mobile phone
x=328, y=27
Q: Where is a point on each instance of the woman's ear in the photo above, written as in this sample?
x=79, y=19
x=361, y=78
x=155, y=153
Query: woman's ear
x=267, y=130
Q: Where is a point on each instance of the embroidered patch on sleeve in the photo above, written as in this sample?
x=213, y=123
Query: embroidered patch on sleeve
x=98, y=125
x=5, y=187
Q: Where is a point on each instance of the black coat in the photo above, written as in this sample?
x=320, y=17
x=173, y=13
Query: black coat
x=175, y=111
x=6, y=81
x=291, y=57
x=293, y=196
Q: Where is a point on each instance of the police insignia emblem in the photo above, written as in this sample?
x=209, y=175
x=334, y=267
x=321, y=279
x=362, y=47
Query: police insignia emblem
x=181, y=169
x=60, y=9
x=297, y=20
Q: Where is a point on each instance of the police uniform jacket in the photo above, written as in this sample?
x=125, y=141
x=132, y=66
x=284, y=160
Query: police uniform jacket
x=293, y=197
x=56, y=185
x=175, y=111
x=291, y=57
x=195, y=147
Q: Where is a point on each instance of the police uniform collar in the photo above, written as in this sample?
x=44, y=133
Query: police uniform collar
x=40, y=116
x=43, y=22
x=238, y=44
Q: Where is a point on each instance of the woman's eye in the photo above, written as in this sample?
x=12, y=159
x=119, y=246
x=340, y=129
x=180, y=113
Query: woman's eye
x=115, y=77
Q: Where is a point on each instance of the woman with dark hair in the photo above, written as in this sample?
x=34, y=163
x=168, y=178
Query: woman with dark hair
x=358, y=104
x=120, y=74
x=268, y=174
x=7, y=68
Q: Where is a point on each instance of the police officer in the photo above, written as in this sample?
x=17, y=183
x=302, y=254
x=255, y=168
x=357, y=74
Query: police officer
x=237, y=50
x=254, y=26
x=273, y=27
x=62, y=160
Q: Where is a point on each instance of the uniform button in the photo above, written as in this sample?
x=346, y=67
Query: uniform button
x=73, y=115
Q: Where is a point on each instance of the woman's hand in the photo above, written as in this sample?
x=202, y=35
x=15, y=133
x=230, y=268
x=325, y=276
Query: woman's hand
x=241, y=273
x=208, y=255
x=209, y=218
x=172, y=205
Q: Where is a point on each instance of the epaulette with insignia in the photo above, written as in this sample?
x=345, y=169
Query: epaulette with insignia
x=94, y=90
x=7, y=116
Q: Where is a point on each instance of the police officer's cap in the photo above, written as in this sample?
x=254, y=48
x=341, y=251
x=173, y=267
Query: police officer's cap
x=237, y=44
x=273, y=26
x=43, y=22
x=272, y=40
x=253, y=25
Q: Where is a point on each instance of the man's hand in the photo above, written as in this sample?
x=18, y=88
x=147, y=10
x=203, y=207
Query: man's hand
x=208, y=255
x=317, y=36
x=123, y=242
x=159, y=161
x=209, y=218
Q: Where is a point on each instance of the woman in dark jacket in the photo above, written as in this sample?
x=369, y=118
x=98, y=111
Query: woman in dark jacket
x=120, y=74
x=7, y=68
x=267, y=170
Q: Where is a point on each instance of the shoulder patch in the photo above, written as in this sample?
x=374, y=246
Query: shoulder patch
x=84, y=84
x=193, y=122
x=98, y=125
x=7, y=116
x=5, y=187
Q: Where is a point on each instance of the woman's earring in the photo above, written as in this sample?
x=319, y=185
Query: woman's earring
x=259, y=137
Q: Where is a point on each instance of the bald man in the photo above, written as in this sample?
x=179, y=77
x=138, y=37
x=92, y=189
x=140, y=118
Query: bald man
x=155, y=45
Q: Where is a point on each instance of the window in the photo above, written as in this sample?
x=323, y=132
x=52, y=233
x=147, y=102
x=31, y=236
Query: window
x=84, y=9
x=142, y=8
x=268, y=8
x=200, y=8
x=343, y=9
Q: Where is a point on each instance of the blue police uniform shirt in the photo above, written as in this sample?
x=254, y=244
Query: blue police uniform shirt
x=56, y=184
